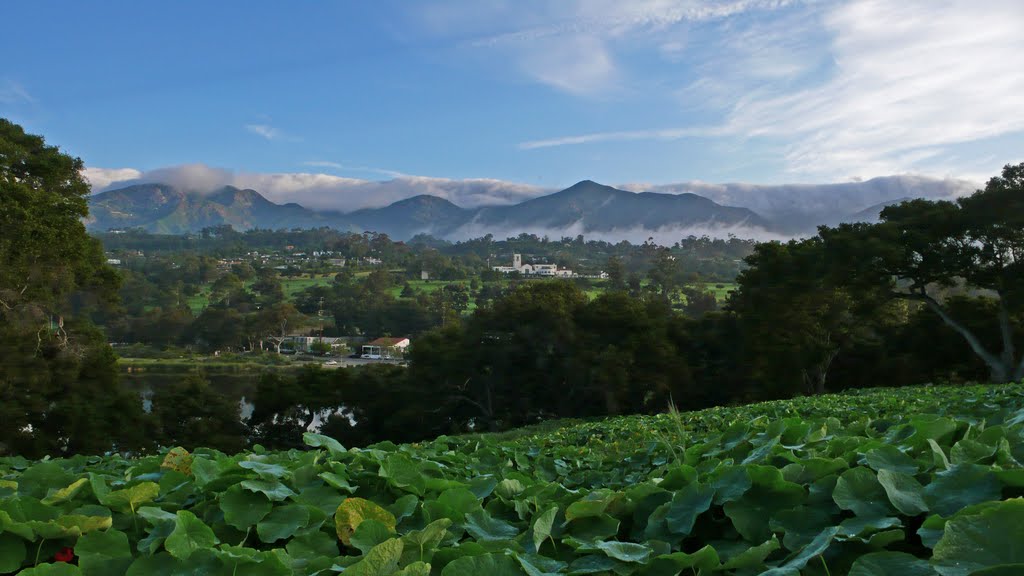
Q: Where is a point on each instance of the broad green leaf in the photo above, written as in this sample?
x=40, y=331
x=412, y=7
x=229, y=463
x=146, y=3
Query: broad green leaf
x=891, y=564
x=625, y=551
x=314, y=545
x=272, y=489
x=593, y=504
x=1003, y=570
x=415, y=569
x=369, y=534
x=43, y=478
x=537, y=565
x=420, y=545
x=702, y=561
x=402, y=473
x=104, y=553
x=935, y=428
x=190, y=534
x=542, y=526
x=753, y=557
x=155, y=515
x=320, y=441
x=731, y=483
x=205, y=471
x=66, y=493
x=598, y=564
x=938, y=455
x=769, y=493
x=905, y=493
x=69, y=526
x=264, y=470
x=453, y=504
x=815, y=548
x=686, y=505
x=381, y=560
x=509, y=488
x=862, y=528
x=353, y=511
x=801, y=525
x=282, y=522
x=404, y=506
x=12, y=553
x=960, y=486
x=890, y=458
x=84, y=524
x=131, y=498
x=989, y=538
x=595, y=528
x=242, y=508
x=337, y=481
x=489, y=564
x=484, y=527
x=8, y=524
x=968, y=451
x=58, y=569
x=858, y=490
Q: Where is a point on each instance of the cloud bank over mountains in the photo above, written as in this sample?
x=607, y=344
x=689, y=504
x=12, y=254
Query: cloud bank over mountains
x=784, y=210
x=319, y=191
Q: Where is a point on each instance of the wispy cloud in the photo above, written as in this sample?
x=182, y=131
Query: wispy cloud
x=12, y=92
x=574, y=46
x=619, y=136
x=264, y=130
x=897, y=85
x=909, y=79
x=101, y=178
x=354, y=168
x=318, y=190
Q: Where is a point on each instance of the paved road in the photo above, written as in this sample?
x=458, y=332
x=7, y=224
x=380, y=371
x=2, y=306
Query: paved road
x=349, y=362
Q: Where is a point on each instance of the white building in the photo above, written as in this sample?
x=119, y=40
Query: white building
x=549, y=270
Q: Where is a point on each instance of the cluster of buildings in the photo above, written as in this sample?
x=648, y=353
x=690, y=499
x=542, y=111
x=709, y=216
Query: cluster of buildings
x=549, y=270
x=378, y=349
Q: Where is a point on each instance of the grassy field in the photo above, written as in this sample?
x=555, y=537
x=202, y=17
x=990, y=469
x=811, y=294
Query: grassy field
x=293, y=286
x=911, y=482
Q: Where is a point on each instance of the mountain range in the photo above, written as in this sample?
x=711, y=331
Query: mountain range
x=588, y=208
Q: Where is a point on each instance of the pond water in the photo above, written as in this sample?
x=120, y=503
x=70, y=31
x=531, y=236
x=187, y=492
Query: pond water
x=238, y=386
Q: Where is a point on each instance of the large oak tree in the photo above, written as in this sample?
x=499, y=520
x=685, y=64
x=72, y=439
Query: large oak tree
x=923, y=250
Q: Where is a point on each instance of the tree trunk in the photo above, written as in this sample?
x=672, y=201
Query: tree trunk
x=1001, y=367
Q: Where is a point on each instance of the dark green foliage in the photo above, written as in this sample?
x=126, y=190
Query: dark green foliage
x=59, y=391
x=910, y=482
x=191, y=413
x=971, y=247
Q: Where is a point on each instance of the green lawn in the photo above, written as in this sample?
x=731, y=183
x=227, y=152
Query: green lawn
x=293, y=286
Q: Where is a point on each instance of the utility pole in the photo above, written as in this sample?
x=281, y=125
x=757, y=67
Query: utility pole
x=320, y=320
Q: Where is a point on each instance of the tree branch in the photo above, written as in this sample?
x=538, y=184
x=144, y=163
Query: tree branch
x=999, y=369
x=1009, y=352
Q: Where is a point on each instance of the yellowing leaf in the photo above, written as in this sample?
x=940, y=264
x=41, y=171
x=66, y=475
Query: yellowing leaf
x=131, y=498
x=65, y=494
x=179, y=460
x=353, y=511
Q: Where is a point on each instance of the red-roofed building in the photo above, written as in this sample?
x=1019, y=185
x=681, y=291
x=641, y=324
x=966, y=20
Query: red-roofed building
x=385, y=348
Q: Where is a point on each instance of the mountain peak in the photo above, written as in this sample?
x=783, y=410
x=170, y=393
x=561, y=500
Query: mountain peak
x=230, y=195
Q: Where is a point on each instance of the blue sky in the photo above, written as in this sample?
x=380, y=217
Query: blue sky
x=309, y=95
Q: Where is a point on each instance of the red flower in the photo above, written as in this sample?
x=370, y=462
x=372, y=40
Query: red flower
x=65, y=555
